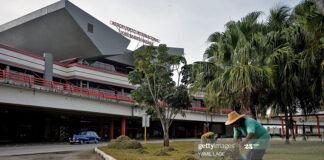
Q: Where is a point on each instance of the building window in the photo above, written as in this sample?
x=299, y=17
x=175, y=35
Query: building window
x=90, y=27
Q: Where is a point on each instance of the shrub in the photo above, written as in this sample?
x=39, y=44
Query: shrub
x=208, y=136
x=161, y=152
x=168, y=149
x=122, y=138
x=124, y=142
x=131, y=144
x=187, y=158
x=141, y=151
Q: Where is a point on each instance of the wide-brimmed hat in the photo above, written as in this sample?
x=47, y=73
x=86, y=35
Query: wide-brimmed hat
x=232, y=117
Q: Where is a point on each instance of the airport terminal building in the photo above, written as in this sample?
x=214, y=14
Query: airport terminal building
x=63, y=71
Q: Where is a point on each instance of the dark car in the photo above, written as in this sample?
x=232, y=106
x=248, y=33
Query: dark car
x=85, y=137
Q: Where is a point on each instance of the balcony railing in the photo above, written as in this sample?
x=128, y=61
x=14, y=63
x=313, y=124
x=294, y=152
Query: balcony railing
x=34, y=81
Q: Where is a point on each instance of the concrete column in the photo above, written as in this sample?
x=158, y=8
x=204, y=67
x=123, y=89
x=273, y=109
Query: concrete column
x=48, y=70
x=111, y=129
x=123, y=126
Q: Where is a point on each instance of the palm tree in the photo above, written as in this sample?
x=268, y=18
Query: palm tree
x=239, y=51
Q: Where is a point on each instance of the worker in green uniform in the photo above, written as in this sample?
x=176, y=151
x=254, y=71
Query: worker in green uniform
x=257, y=138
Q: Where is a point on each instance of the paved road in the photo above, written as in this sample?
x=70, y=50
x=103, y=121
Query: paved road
x=65, y=151
x=45, y=148
x=87, y=154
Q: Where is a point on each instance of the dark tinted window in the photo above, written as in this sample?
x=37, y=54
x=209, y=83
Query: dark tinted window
x=90, y=27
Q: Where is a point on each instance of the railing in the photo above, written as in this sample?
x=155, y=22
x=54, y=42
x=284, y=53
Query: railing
x=195, y=108
x=33, y=81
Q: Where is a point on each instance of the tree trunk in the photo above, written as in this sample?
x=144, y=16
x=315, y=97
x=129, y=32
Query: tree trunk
x=165, y=128
x=287, y=126
x=166, y=138
x=247, y=104
x=253, y=113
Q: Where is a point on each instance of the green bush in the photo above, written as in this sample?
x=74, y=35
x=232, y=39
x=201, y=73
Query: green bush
x=124, y=142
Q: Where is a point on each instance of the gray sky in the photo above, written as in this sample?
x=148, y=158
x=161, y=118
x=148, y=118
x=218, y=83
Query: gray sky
x=177, y=23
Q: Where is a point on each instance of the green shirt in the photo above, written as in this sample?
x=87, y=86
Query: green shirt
x=261, y=137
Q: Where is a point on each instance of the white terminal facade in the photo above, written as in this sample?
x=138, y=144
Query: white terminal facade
x=63, y=71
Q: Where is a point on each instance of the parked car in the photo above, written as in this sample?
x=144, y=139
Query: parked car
x=85, y=137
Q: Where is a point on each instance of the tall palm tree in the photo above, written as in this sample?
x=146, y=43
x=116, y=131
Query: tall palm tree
x=237, y=51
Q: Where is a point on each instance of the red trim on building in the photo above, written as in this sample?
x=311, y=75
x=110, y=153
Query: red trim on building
x=30, y=54
x=97, y=69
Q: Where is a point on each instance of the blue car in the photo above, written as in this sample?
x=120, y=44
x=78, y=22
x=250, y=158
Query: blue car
x=85, y=137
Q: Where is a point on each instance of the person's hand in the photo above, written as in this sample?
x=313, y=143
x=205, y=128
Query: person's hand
x=242, y=144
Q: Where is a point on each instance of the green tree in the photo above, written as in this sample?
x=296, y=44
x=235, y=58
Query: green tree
x=239, y=51
x=162, y=96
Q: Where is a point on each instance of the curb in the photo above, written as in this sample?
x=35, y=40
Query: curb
x=103, y=154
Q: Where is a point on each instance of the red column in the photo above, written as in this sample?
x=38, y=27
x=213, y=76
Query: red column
x=101, y=128
x=311, y=129
x=318, y=127
x=187, y=133
x=295, y=129
x=282, y=127
x=111, y=128
x=204, y=129
x=195, y=131
x=123, y=126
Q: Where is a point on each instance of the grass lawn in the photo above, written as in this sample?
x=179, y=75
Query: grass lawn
x=184, y=150
x=297, y=151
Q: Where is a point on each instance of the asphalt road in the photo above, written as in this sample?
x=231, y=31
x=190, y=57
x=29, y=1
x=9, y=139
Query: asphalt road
x=87, y=154
x=45, y=148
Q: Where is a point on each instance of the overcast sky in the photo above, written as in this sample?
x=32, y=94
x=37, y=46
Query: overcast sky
x=177, y=23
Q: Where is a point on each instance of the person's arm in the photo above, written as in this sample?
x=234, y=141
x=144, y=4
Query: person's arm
x=250, y=127
x=236, y=139
x=247, y=138
x=237, y=134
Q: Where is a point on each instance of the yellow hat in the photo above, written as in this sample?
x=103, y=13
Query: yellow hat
x=232, y=117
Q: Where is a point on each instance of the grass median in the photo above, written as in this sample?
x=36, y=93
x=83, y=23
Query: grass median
x=185, y=151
